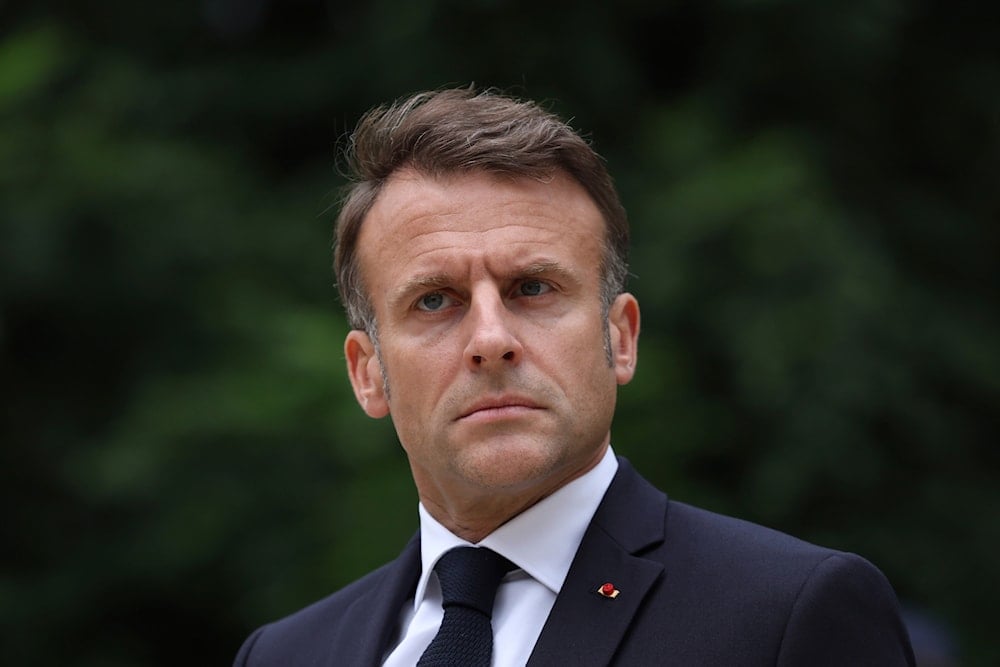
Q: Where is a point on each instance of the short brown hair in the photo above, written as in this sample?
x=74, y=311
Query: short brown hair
x=461, y=130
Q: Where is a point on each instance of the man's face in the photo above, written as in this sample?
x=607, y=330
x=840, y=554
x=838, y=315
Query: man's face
x=490, y=331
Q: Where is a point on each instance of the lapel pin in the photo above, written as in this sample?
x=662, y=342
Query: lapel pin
x=608, y=590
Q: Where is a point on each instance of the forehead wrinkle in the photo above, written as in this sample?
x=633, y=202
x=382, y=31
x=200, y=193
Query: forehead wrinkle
x=422, y=243
x=520, y=259
x=482, y=248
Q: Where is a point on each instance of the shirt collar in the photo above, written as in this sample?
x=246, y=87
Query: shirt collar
x=542, y=540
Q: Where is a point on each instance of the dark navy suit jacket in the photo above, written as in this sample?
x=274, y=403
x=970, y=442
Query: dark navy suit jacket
x=696, y=588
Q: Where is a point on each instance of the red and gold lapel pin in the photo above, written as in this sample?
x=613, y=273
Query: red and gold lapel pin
x=608, y=590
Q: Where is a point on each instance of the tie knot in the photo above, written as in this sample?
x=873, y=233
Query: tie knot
x=470, y=576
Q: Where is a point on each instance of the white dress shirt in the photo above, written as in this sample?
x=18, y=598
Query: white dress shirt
x=541, y=542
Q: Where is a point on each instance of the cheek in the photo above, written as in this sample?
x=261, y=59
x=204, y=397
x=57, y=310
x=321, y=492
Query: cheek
x=580, y=362
x=415, y=375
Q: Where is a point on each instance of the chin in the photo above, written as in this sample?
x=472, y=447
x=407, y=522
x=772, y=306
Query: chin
x=512, y=466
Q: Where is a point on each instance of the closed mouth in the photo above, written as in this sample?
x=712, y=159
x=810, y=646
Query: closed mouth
x=499, y=406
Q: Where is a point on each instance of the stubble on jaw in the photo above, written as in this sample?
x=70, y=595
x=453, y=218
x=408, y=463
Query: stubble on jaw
x=494, y=505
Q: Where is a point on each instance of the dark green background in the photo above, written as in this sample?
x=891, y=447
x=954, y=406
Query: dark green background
x=813, y=192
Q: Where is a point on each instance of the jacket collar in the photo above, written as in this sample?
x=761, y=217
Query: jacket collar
x=585, y=627
x=374, y=613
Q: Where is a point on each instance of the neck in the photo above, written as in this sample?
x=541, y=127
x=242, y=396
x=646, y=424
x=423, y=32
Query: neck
x=474, y=523
x=472, y=514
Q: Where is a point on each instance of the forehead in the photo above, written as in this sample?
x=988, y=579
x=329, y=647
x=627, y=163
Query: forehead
x=453, y=223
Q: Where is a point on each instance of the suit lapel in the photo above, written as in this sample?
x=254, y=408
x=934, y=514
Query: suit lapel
x=372, y=619
x=584, y=627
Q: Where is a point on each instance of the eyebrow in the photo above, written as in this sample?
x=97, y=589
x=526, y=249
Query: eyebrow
x=417, y=284
x=542, y=268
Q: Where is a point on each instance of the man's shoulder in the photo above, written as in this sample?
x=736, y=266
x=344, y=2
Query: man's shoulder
x=703, y=551
x=728, y=549
x=741, y=593
x=705, y=529
x=694, y=533
x=343, y=618
x=337, y=603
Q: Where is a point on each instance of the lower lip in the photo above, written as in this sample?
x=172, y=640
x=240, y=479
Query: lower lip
x=504, y=413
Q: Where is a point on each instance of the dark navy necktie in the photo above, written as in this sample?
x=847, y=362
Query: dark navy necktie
x=469, y=579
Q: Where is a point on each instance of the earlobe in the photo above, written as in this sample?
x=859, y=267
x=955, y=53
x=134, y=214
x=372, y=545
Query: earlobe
x=623, y=320
x=365, y=373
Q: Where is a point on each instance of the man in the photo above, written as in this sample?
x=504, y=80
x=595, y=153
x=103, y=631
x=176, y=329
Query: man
x=481, y=257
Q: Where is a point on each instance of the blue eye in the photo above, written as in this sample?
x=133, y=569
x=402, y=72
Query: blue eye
x=533, y=288
x=432, y=302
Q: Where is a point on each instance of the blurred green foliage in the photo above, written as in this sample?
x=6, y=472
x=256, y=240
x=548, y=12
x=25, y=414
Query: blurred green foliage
x=813, y=191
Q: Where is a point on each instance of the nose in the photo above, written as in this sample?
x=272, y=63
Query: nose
x=492, y=343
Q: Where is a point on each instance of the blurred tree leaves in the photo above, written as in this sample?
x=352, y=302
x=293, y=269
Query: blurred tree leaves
x=812, y=191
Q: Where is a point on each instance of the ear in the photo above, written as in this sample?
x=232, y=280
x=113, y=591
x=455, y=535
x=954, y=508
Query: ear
x=365, y=373
x=623, y=321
